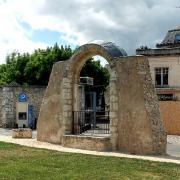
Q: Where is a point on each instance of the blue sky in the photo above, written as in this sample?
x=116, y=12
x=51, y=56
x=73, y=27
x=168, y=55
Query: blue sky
x=30, y=24
x=49, y=37
x=46, y=36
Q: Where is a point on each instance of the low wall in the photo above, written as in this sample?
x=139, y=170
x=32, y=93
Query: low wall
x=87, y=142
x=22, y=133
x=170, y=113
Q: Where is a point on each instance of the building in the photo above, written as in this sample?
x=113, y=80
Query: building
x=20, y=105
x=164, y=61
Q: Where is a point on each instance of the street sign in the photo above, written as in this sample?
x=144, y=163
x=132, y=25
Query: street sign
x=22, y=97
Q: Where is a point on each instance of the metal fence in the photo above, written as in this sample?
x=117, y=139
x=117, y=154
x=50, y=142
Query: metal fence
x=90, y=122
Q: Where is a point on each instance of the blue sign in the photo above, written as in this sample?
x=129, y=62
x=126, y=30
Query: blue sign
x=22, y=97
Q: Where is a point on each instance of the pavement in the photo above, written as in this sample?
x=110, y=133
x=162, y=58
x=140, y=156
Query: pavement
x=173, y=148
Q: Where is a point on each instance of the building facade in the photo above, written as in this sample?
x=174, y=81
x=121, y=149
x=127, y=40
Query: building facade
x=164, y=64
x=164, y=61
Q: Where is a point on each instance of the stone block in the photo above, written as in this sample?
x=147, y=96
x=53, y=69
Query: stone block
x=67, y=108
x=113, y=115
x=22, y=133
x=87, y=142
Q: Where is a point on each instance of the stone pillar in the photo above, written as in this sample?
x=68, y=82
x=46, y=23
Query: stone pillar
x=67, y=118
x=67, y=99
x=114, y=106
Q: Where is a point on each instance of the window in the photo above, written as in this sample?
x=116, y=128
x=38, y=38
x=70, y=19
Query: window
x=177, y=37
x=22, y=116
x=161, y=76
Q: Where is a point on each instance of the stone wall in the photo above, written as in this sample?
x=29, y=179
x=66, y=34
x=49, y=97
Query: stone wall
x=51, y=125
x=35, y=96
x=7, y=105
x=170, y=113
x=87, y=142
x=9, y=97
x=140, y=128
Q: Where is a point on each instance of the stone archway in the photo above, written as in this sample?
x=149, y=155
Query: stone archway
x=136, y=126
x=109, y=51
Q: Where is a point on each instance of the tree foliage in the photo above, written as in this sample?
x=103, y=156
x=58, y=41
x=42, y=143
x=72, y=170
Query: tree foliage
x=100, y=75
x=32, y=69
x=95, y=70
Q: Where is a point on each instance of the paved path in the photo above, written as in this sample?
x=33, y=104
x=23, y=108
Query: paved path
x=173, y=148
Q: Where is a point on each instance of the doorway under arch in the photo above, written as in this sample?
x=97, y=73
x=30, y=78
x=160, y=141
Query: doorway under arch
x=91, y=114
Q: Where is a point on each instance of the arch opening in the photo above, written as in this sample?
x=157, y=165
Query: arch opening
x=91, y=99
x=76, y=63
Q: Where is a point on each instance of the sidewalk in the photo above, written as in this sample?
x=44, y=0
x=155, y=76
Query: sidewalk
x=173, y=149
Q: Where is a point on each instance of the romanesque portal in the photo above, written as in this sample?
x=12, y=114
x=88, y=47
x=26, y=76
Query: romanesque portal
x=135, y=122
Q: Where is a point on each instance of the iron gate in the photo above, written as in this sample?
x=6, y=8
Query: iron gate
x=90, y=122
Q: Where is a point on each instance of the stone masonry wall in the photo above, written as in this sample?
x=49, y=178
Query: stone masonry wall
x=35, y=95
x=7, y=107
x=51, y=123
x=140, y=128
x=9, y=97
x=87, y=142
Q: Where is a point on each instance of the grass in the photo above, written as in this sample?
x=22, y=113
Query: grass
x=20, y=162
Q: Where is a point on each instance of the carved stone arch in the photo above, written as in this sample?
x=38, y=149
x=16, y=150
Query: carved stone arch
x=108, y=51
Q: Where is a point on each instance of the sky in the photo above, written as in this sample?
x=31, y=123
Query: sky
x=30, y=24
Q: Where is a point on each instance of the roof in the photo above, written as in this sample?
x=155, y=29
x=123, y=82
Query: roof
x=172, y=39
x=113, y=49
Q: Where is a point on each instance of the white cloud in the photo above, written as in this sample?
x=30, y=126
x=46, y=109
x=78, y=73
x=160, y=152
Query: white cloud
x=12, y=35
x=128, y=23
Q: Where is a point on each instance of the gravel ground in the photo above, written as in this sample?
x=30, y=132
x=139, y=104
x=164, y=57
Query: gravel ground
x=172, y=139
x=173, y=148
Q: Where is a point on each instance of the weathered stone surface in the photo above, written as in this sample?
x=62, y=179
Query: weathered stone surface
x=8, y=100
x=135, y=122
x=140, y=129
x=50, y=122
x=22, y=133
x=87, y=142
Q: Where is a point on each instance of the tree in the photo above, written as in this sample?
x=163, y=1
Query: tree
x=32, y=69
x=100, y=75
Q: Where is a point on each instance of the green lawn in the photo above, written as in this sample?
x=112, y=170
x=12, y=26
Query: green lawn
x=19, y=162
